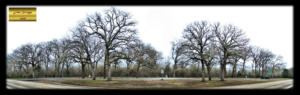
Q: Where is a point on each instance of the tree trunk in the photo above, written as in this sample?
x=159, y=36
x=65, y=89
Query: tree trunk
x=137, y=70
x=108, y=66
x=243, y=70
x=233, y=70
x=55, y=69
x=62, y=69
x=127, y=69
x=272, y=72
x=202, y=72
x=104, y=67
x=208, y=71
x=255, y=73
x=95, y=68
x=46, y=66
x=198, y=66
x=263, y=71
x=93, y=73
x=33, y=76
x=68, y=71
x=222, y=72
x=259, y=73
x=58, y=70
x=175, y=68
x=225, y=71
x=109, y=73
x=83, y=70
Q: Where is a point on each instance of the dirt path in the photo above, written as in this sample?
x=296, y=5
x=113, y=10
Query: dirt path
x=283, y=84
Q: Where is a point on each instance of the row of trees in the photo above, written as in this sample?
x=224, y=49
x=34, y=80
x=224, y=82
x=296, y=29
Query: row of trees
x=110, y=38
x=209, y=44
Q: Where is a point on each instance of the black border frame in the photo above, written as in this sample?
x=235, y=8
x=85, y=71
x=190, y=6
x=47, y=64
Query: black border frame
x=143, y=3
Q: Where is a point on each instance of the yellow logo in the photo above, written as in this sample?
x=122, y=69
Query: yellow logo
x=22, y=14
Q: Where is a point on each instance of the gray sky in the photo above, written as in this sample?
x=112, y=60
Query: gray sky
x=269, y=27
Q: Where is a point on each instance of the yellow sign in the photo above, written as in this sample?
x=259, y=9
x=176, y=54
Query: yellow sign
x=22, y=14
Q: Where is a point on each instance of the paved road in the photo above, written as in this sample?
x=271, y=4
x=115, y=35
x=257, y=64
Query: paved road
x=19, y=84
x=143, y=78
x=283, y=84
x=27, y=84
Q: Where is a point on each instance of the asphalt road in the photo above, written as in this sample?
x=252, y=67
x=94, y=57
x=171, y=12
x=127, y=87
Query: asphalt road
x=21, y=84
x=28, y=84
x=283, y=84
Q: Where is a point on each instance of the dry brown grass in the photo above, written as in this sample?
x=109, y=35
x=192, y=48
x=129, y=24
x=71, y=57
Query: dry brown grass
x=153, y=84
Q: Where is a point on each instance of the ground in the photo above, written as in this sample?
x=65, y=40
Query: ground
x=149, y=83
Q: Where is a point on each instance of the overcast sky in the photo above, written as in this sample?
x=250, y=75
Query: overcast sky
x=269, y=27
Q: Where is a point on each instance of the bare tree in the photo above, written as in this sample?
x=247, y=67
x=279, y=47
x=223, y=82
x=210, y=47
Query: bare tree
x=141, y=54
x=33, y=57
x=228, y=38
x=65, y=54
x=255, y=52
x=16, y=62
x=146, y=56
x=24, y=58
x=177, y=53
x=47, y=50
x=233, y=60
x=211, y=58
x=61, y=51
x=56, y=56
x=266, y=57
x=277, y=64
x=198, y=35
x=90, y=48
x=77, y=53
x=246, y=51
x=130, y=55
x=96, y=56
x=115, y=28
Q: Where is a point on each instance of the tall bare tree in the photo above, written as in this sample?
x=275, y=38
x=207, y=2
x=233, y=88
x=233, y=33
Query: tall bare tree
x=146, y=56
x=198, y=36
x=277, y=64
x=65, y=54
x=61, y=51
x=115, y=28
x=211, y=57
x=228, y=38
x=91, y=48
x=177, y=53
x=130, y=55
x=233, y=60
x=77, y=54
x=245, y=55
x=34, y=52
x=255, y=58
x=266, y=57
x=46, y=52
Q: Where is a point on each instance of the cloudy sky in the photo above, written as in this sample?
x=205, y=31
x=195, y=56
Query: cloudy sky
x=269, y=27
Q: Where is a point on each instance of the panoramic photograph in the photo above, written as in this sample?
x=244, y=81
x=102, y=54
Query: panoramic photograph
x=149, y=47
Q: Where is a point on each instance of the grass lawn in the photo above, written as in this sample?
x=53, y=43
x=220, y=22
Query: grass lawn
x=173, y=84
